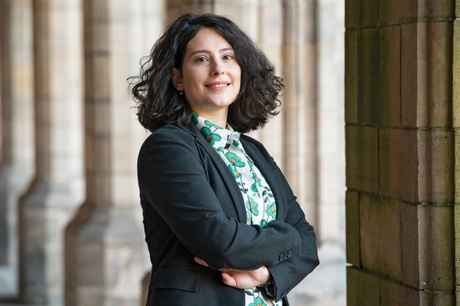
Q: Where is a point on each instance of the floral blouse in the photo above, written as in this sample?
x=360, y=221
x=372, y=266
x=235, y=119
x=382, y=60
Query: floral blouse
x=258, y=197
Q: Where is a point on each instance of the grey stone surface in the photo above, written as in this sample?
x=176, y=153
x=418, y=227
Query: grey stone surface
x=326, y=285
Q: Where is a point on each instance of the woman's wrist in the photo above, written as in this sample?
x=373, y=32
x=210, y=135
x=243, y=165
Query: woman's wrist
x=268, y=277
x=269, y=285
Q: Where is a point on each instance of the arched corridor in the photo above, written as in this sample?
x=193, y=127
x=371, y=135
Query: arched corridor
x=72, y=229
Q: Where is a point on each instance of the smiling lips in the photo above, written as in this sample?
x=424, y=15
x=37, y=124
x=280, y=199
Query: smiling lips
x=218, y=85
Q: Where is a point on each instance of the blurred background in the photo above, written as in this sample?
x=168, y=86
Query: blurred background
x=70, y=220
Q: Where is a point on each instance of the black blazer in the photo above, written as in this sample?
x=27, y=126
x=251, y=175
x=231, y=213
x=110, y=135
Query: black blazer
x=192, y=206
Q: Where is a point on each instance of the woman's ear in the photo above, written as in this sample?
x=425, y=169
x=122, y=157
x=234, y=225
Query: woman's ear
x=177, y=79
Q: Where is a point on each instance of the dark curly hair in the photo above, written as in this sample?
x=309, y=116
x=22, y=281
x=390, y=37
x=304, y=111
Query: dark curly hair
x=160, y=103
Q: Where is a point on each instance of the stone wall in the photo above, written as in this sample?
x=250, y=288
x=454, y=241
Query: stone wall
x=402, y=157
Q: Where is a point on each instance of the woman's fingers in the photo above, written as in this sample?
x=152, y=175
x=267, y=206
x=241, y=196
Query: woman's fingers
x=200, y=261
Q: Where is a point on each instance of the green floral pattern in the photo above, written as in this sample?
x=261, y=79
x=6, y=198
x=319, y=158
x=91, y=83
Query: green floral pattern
x=258, y=301
x=259, y=200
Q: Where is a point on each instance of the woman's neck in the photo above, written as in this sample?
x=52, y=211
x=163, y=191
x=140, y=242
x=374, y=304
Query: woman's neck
x=218, y=118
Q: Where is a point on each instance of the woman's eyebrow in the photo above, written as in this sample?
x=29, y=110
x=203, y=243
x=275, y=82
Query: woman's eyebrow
x=209, y=52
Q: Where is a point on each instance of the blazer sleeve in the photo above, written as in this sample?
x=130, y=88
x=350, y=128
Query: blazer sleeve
x=288, y=273
x=172, y=178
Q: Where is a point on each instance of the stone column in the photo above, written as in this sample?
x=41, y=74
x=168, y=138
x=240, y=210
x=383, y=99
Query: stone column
x=456, y=125
x=331, y=140
x=175, y=8
x=57, y=189
x=402, y=152
x=269, y=38
x=244, y=13
x=17, y=111
x=300, y=102
x=109, y=252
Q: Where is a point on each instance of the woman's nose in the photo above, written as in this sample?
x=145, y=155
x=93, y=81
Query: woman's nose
x=217, y=68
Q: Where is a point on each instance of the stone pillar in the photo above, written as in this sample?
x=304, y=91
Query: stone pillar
x=57, y=189
x=109, y=252
x=402, y=152
x=331, y=140
x=17, y=111
x=269, y=38
x=245, y=13
x=456, y=124
x=175, y=8
x=300, y=102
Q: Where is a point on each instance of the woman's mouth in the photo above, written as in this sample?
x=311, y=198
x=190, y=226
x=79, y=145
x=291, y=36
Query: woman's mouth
x=218, y=86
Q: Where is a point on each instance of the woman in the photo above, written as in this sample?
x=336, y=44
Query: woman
x=221, y=222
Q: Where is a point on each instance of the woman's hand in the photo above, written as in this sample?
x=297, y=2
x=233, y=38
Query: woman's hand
x=241, y=279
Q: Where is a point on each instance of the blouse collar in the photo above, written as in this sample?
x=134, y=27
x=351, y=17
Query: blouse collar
x=217, y=136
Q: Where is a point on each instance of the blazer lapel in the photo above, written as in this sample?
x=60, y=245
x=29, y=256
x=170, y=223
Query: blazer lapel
x=232, y=186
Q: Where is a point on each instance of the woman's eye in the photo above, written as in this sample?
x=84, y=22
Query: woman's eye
x=228, y=57
x=201, y=59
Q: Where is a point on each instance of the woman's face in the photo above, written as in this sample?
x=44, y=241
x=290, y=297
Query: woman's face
x=210, y=76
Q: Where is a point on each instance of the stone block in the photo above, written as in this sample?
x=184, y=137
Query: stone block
x=395, y=294
x=389, y=78
x=352, y=14
x=436, y=10
x=270, y=19
x=434, y=84
x=398, y=164
x=456, y=73
x=427, y=74
x=361, y=14
x=457, y=8
x=368, y=289
x=368, y=75
x=436, y=298
x=362, y=169
x=437, y=37
x=89, y=257
x=364, y=288
x=352, y=286
x=111, y=258
x=457, y=249
x=436, y=168
x=457, y=165
x=410, y=249
x=351, y=76
x=380, y=236
x=409, y=72
x=124, y=189
x=397, y=11
x=243, y=12
x=436, y=248
x=352, y=228
x=90, y=296
x=379, y=76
